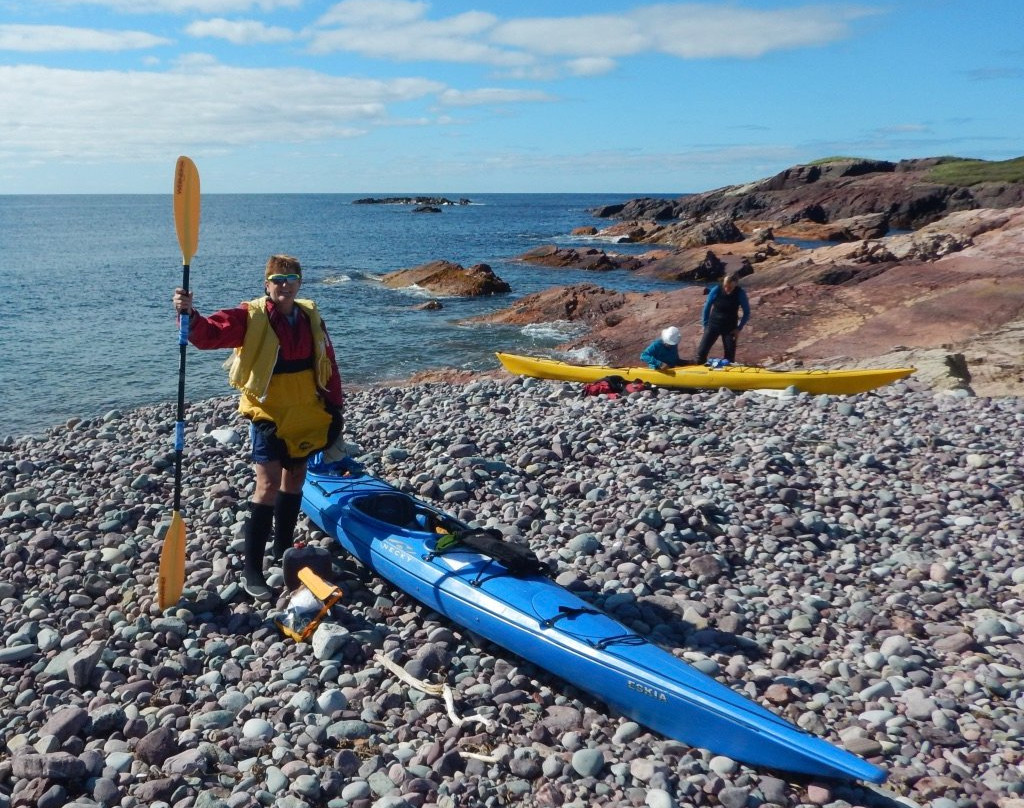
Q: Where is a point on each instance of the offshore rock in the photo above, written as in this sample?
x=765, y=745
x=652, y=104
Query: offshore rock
x=448, y=279
x=591, y=259
x=429, y=201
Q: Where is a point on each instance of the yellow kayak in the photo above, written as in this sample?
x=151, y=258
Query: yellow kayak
x=735, y=377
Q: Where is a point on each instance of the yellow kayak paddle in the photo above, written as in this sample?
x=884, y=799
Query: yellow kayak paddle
x=186, y=222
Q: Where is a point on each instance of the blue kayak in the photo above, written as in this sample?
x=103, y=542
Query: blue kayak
x=397, y=536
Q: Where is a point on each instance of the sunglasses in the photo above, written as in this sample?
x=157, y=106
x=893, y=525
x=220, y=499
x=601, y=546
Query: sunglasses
x=283, y=278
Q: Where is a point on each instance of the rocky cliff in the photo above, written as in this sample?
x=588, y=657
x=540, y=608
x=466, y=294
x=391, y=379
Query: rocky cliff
x=907, y=195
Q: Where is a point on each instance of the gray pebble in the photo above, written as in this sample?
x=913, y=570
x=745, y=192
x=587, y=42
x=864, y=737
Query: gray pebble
x=588, y=762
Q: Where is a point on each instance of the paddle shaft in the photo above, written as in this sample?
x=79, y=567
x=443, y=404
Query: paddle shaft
x=179, y=435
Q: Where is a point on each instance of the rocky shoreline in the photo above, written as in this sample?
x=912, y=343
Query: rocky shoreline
x=833, y=278
x=948, y=299
x=853, y=564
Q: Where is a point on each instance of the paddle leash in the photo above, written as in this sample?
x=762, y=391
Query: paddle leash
x=186, y=222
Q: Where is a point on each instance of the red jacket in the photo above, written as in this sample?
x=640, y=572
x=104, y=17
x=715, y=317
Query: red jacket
x=226, y=329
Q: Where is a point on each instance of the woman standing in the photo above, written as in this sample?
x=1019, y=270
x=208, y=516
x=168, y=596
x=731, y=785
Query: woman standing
x=285, y=369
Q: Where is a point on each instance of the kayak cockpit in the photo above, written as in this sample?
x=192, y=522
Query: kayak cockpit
x=401, y=511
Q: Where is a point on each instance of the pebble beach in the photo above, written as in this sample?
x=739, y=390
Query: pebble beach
x=853, y=564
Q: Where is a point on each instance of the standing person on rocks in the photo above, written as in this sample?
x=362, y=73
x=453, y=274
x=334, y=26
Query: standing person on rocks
x=285, y=368
x=663, y=353
x=720, y=318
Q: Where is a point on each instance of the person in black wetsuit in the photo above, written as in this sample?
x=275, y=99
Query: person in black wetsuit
x=721, y=318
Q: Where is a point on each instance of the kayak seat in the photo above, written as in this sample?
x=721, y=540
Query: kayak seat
x=395, y=509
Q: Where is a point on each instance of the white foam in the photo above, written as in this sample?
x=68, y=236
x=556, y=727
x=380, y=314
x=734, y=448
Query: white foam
x=556, y=330
x=603, y=238
x=586, y=355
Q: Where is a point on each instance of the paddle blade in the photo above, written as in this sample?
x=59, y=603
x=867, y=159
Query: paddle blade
x=172, y=564
x=186, y=207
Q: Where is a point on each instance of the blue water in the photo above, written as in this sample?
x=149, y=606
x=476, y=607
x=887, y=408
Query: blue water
x=89, y=325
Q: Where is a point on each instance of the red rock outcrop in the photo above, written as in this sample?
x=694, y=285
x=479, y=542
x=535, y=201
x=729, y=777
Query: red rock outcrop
x=448, y=279
x=591, y=258
x=581, y=302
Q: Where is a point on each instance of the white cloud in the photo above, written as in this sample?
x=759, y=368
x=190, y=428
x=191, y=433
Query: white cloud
x=696, y=32
x=530, y=72
x=573, y=36
x=490, y=96
x=400, y=30
x=374, y=12
x=76, y=114
x=461, y=38
x=684, y=30
x=180, y=6
x=240, y=32
x=590, y=66
x=404, y=45
x=45, y=38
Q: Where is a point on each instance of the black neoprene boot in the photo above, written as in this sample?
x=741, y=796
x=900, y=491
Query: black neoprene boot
x=257, y=531
x=286, y=514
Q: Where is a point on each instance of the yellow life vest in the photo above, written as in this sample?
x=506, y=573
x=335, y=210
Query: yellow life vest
x=290, y=400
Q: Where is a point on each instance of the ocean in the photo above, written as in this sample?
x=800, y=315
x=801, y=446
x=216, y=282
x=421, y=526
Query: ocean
x=90, y=326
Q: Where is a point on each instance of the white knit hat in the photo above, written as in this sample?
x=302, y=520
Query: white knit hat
x=670, y=336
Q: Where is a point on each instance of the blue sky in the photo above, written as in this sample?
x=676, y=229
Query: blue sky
x=476, y=96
